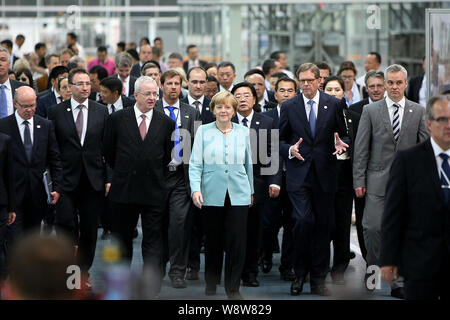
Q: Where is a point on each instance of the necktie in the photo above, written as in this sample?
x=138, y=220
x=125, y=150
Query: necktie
x=312, y=117
x=197, y=105
x=28, y=145
x=124, y=91
x=396, y=122
x=445, y=176
x=3, y=103
x=113, y=108
x=244, y=122
x=143, y=127
x=79, y=121
x=177, y=147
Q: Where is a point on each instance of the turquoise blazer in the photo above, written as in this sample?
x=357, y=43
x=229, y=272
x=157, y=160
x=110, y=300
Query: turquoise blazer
x=219, y=163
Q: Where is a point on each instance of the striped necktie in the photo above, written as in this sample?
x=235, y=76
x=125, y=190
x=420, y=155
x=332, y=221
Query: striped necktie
x=396, y=122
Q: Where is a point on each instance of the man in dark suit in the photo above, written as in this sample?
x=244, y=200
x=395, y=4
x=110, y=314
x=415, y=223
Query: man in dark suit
x=34, y=150
x=260, y=127
x=375, y=87
x=79, y=127
x=196, y=98
x=311, y=125
x=138, y=148
x=110, y=89
x=256, y=78
x=124, y=61
x=7, y=195
x=278, y=208
x=97, y=74
x=7, y=86
x=193, y=61
x=415, y=230
x=50, y=97
x=176, y=232
x=145, y=54
x=417, y=87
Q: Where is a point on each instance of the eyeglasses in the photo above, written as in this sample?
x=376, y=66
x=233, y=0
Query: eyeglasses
x=302, y=81
x=149, y=94
x=82, y=84
x=245, y=95
x=441, y=120
x=26, y=106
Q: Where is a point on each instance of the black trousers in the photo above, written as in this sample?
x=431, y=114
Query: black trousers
x=197, y=235
x=313, y=211
x=359, y=211
x=3, y=221
x=343, y=205
x=278, y=213
x=79, y=209
x=254, y=232
x=225, y=230
x=176, y=224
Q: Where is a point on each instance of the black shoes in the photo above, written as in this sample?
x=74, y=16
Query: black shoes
x=338, y=278
x=321, y=290
x=106, y=235
x=135, y=233
x=297, y=286
x=234, y=296
x=267, y=266
x=178, y=283
x=250, y=282
x=352, y=255
x=398, y=293
x=287, y=275
x=192, y=274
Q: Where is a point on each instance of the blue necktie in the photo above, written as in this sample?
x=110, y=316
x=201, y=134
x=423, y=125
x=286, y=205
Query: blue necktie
x=244, y=122
x=178, y=152
x=312, y=118
x=3, y=103
x=27, y=144
x=445, y=180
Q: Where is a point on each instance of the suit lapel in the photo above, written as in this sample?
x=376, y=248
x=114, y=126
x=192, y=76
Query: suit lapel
x=90, y=120
x=37, y=130
x=16, y=134
x=301, y=111
x=384, y=116
x=184, y=117
x=68, y=115
x=430, y=162
x=407, y=116
x=132, y=126
x=321, y=112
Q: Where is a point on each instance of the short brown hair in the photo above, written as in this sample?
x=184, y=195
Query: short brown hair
x=170, y=74
x=223, y=97
x=73, y=72
x=308, y=66
x=347, y=65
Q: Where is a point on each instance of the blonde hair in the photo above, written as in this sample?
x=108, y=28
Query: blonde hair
x=222, y=98
x=21, y=64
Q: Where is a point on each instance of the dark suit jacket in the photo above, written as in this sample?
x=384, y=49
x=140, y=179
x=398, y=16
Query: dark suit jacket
x=188, y=116
x=127, y=102
x=260, y=181
x=278, y=177
x=140, y=167
x=294, y=125
x=131, y=83
x=414, y=85
x=415, y=229
x=136, y=70
x=75, y=157
x=271, y=96
x=206, y=116
x=7, y=194
x=44, y=103
x=353, y=114
x=270, y=105
x=186, y=64
x=45, y=154
x=93, y=97
x=14, y=85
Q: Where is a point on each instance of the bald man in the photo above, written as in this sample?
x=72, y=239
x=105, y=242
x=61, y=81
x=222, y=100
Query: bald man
x=34, y=150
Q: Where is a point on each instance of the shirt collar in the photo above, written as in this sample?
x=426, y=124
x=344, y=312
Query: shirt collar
x=117, y=104
x=20, y=120
x=7, y=83
x=138, y=112
x=438, y=150
x=401, y=103
x=192, y=100
x=176, y=104
x=223, y=89
x=315, y=99
x=249, y=117
x=75, y=104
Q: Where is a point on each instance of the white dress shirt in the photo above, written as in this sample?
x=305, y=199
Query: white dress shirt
x=21, y=126
x=437, y=151
x=192, y=100
x=176, y=110
x=57, y=96
x=126, y=85
x=423, y=92
x=148, y=114
x=75, y=112
x=229, y=89
x=249, y=118
x=391, y=109
x=117, y=105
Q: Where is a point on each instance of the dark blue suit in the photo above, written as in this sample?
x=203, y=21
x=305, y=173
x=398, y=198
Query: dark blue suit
x=311, y=183
x=44, y=103
x=206, y=115
x=277, y=213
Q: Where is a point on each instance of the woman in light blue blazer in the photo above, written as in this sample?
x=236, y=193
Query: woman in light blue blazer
x=221, y=179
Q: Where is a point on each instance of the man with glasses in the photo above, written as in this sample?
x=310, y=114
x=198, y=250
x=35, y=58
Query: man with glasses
x=79, y=127
x=415, y=229
x=138, y=148
x=311, y=127
x=375, y=87
x=34, y=150
x=386, y=126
